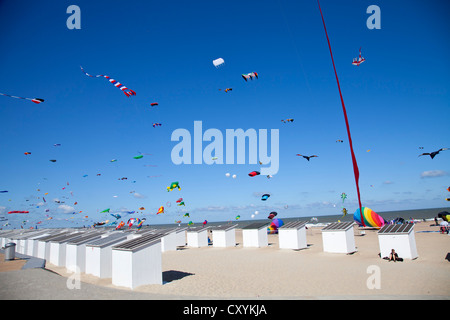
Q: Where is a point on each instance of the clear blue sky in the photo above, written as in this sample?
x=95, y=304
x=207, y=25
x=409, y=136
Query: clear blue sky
x=397, y=101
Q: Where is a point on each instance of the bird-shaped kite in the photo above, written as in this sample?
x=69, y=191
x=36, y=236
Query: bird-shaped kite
x=306, y=157
x=432, y=154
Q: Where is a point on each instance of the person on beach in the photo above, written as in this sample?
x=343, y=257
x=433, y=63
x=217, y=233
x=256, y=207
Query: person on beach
x=393, y=256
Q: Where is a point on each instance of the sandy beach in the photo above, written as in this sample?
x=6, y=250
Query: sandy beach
x=264, y=273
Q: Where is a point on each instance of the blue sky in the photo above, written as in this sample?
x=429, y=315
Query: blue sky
x=397, y=101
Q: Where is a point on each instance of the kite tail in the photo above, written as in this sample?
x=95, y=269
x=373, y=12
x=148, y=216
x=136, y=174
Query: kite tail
x=355, y=164
x=125, y=90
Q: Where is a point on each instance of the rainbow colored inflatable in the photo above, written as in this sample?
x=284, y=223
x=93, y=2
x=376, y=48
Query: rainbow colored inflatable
x=371, y=218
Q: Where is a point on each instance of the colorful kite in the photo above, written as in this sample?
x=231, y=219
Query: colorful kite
x=433, y=154
x=35, y=100
x=160, y=210
x=27, y=153
x=359, y=60
x=274, y=225
x=154, y=104
x=10, y=212
x=287, y=120
x=156, y=124
x=306, y=157
x=272, y=215
x=120, y=225
x=186, y=215
x=179, y=200
x=106, y=210
x=238, y=217
x=138, y=157
x=205, y=222
x=181, y=204
x=343, y=196
x=250, y=76
x=227, y=89
x=371, y=218
x=265, y=197
x=128, y=92
x=254, y=173
x=173, y=185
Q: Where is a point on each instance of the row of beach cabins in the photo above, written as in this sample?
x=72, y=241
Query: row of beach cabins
x=133, y=258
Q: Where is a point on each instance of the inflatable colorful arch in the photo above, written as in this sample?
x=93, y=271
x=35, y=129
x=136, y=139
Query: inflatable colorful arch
x=371, y=218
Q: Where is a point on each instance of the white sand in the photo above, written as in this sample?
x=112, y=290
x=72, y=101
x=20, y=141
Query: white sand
x=271, y=272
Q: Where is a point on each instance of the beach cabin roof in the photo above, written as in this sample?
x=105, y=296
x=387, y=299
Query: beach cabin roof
x=55, y=236
x=66, y=237
x=256, y=225
x=144, y=241
x=293, y=225
x=107, y=241
x=197, y=229
x=404, y=228
x=339, y=226
x=224, y=227
x=85, y=238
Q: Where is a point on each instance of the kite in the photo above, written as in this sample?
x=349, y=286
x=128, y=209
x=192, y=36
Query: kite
x=218, y=62
x=274, y=225
x=344, y=211
x=179, y=200
x=106, y=210
x=120, y=225
x=57, y=145
x=448, y=189
x=359, y=60
x=139, y=223
x=354, y=163
x=238, y=217
x=113, y=160
x=156, y=124
x=306, y=157
x=343, y=196
x=10, y=212
x=433, y=154
x=371, y=218
x=287, y=120
x=250, y=76
x=227, y=89
x=35, y=100
x=265, y=197
x=27, y=153
x=272, y=215
x=186, y=215
x=181, y=204
x=154, y=104
x=173, y=185
x=444, y=215
x=340, y=141
x=53, y=160
x=125, y=90
x=447, y=199
x=160, y=210
x=141, y=208
x=4, y=191
x=254, y=173
x=116, y=215
x=205, y=222
x=190, y=223
x=138, y=157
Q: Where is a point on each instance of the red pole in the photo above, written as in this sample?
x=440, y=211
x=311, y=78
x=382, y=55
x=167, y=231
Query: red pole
x=355, y=164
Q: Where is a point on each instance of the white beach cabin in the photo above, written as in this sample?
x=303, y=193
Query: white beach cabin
x=399, y=237
x=137, y=262
x=181, y=237
x=58, y=248
x=197, y=237
x=99, y=254
x=292, y=235
x=43, y=244
x=254, y=235
x=168, y=239
x=224, y=236
x=339, y=237
x=76, y=251
x=31, y=244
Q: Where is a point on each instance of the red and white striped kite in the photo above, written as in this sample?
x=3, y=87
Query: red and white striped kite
x=128, y=92
x=359, y=60
x=35, y=100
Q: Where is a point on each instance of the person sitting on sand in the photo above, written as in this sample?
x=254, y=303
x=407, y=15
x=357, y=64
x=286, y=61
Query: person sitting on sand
x=393, y=256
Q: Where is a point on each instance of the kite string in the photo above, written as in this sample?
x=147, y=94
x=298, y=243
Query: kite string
x=355, y=164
